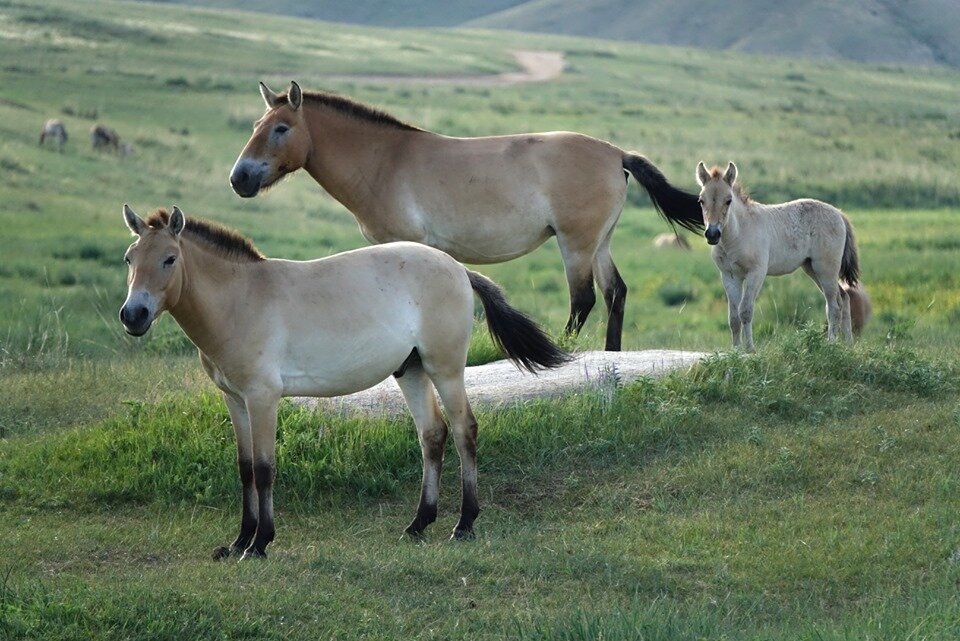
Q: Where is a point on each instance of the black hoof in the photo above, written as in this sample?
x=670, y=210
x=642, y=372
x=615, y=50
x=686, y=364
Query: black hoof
x=463, y=535
x=223, y=552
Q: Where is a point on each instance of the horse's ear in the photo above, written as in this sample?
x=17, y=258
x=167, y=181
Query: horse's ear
x=294, y=96
x=177, y=221
x=730, y=175
x=134, y=222
x=702, y=174
x=268, y=96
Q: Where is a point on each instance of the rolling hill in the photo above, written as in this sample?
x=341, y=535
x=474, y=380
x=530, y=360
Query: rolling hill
x=915, y=32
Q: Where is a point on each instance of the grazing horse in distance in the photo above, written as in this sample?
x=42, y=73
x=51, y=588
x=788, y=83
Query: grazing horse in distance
x=103, y=137
x=481, y=200
x=751, y=241
x=54, y=130
x=267, y=329
x=668, y=240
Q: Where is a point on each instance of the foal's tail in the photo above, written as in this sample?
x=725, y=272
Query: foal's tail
x=525, y=343
x=850, y=262
x=675, y=205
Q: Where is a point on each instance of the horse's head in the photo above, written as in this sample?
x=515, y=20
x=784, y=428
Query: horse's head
x=279, y=145
x=154, y=272
x=716, y=194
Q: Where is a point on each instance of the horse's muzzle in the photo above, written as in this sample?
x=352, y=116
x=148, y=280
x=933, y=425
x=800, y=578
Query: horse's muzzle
x=246, y=180
x=136, y=319
x=712, y=235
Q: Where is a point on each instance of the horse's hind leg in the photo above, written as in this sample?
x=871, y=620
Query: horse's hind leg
x=614, y=294
x=432, y=434
x=579, y=272
x=464, y=425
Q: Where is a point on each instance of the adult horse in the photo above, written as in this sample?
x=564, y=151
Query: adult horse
x=272, y=328
x=481, y=200
x=55, y=130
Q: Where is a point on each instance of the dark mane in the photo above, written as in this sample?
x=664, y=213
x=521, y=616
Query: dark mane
x=738, y=189
x=227, y=242
x=354, y=109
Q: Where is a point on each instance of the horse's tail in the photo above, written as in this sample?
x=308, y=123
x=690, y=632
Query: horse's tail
x=675, y=205
x=522, y=340
x=850, y=262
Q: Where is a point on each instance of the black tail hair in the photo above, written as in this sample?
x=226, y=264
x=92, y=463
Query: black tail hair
x=518, y=336
x=850, y=262
x=675, y=205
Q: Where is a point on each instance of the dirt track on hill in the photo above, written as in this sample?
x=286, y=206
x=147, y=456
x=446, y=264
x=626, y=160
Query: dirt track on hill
x=538, y=66
x=501, y=383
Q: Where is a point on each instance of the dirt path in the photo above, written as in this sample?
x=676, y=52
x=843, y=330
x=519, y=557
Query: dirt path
x=538, y=66
x=501, y=383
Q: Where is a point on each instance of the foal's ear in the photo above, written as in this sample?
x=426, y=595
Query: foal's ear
x=730, y=175
x=177, y=221
x=294, y=96
x=134, y=222
x=702, y=174
x=269, y=97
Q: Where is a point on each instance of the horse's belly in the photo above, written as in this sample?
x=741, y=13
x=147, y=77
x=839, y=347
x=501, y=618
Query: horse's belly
x=337, y=370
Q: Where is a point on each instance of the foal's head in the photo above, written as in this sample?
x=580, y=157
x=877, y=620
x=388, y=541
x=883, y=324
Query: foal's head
x=716, y=194
x=155, y=271
x=279, y=145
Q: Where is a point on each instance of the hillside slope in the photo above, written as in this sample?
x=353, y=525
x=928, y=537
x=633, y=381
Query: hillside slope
x=881, y=31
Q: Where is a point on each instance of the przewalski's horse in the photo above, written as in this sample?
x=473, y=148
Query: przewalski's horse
x=752, y=240
x=481, y=200
x=272, y=328
x=54, y=130
x=103, y=137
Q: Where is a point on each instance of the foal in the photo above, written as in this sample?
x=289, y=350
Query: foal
x=751, y=240
x=272, y=328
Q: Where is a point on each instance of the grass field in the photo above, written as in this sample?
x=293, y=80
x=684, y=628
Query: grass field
x=809, y=491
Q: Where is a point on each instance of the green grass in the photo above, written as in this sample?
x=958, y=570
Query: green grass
x=702, y=503
x=808, y=492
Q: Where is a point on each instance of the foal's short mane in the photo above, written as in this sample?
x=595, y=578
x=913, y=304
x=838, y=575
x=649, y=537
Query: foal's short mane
x=353, y=109
x=738, y=189
x=226, y=242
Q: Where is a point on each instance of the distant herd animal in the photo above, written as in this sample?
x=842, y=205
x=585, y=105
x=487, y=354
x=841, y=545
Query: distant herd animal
x=269, y=328
x=102, y=138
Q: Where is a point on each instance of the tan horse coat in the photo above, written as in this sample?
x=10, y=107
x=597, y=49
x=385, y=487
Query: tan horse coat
x=481, y=200
x=273, y=328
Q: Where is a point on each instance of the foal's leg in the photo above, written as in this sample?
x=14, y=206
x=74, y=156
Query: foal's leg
x=846, y=320
x=579, y=272
x=432, y=434
x=734, y=289
x=263, y=423
x=751, y=288
x=614, y=294
x=454, y=397
x=248, y=521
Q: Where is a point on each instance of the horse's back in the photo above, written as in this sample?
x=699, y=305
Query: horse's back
x=346, y=322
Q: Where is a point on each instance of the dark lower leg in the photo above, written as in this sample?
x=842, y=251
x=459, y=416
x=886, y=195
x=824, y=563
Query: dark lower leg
x=469, y=506
x=264, y=474
x=582, y=300
x=432, y=446
x=248, y=521
x=615, y=296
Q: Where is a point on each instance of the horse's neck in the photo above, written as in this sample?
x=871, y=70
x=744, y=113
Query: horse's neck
x=351, y=157
x=211, y=289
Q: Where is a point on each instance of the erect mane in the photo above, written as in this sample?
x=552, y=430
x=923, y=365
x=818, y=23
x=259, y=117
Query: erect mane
x=353, y=108
x=225, y=241
x=738, y=189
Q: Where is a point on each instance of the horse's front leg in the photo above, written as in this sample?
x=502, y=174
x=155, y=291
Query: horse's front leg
x=733, y=287
x=751, y=288
x=248, y=520
x=262, y=410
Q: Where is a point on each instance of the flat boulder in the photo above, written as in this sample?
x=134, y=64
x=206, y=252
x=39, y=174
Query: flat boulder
x=501, y=383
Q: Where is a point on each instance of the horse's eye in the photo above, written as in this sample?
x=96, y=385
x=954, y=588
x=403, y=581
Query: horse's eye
x=729, y=200
x=170, y=261
x=126, y=259
x=281, y=129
